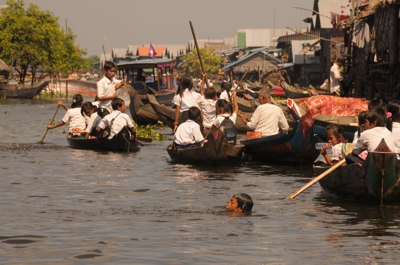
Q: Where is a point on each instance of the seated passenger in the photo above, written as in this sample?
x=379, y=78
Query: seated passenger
x=267, y=118
x=394, y=110
x=116, y=120
x=90, y=112
x=188, y=134
x=334, y=135
x=73, y=116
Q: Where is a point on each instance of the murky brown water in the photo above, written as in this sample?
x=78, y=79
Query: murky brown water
x=64, y=206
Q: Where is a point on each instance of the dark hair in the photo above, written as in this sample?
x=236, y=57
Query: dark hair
x=224, y=105
x=245, y=202
x=194, y=114
x=117, y=103
x=210, y=93
x=87, y=106
x=375, y=104
x=185, y=82
x=394, y=109
x=108, y=65
x=374, y=117
x=337, y=131
x=77, y=101
x=361, y=121
x=225, y=86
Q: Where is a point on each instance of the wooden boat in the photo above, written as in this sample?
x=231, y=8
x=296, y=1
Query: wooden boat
x=142, y=113
x=119, y=143
x=348, y=123
x=295, y=92
x=246, y=105
x=378, y=179
x=292, y=147
x=26, y=91
x=165, y=113
x=215, y=151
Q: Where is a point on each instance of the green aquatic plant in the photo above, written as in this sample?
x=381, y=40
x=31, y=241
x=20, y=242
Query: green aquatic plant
x=149, y=132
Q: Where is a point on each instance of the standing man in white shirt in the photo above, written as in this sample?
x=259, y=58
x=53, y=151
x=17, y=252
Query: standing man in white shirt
x=268, y=118
x=335, y=77
x=107, y=86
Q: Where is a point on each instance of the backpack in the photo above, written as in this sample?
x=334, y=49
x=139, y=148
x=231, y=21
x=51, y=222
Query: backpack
x=229, y=129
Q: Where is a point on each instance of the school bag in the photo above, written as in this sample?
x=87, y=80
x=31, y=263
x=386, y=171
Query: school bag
x=229, y=129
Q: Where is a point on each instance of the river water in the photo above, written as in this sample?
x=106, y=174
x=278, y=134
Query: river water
x=64, y=206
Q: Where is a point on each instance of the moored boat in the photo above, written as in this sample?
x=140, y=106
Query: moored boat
x=26, y=91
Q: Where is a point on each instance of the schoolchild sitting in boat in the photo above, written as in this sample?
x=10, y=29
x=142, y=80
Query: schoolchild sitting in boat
x=207, y=103
x=73, y=116
x=394, y=117
x=116, y=120
x=361, y=124
x=335, y=137
x=188, y=134
x=374, y=132
x=268, y=119
x=92, y=118
x=226, y=118
x=240, y=202
x=185, y=98
x=107, y=86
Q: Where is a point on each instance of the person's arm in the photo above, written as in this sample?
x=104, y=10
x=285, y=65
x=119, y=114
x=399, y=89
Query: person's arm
x=53, y=126
x=325, y=155
x=119, y=84
x=234, y=102
x=202, y=82
x=177, y=114
x=198, y=136
x=252, y=124
x=283, y=124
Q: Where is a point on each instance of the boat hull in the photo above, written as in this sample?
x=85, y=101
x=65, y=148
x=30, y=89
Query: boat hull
x=119, y=143
x=22, y=90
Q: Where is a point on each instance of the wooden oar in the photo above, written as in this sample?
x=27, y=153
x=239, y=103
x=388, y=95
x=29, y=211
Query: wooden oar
x=198, y=53
x=309, y=184
x=47, y=130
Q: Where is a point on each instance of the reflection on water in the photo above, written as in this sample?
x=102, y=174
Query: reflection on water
x=66, y=206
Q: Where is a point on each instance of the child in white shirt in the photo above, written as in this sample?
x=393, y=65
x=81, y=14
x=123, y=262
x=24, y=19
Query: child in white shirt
x=207, y=104
x=73, y=116
x=334, y=135
x=188, y=134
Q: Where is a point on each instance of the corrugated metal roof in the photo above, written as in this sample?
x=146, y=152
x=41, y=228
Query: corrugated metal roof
x=312, y=35
x=261, y=51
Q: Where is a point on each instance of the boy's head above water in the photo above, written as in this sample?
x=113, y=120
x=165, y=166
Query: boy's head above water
x=240, y=202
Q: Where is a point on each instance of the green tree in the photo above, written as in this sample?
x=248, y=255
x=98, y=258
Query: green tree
x=31, y=38
x=211, y=62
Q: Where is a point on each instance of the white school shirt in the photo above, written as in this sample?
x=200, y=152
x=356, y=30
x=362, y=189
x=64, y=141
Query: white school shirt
x=106, y=87
x=92, y=122
x=396, y=137
x=335, y=78
x=221, y=117
x=188, y=133
x=116, y=120
x=268, y=119
x=337, y=152
x=208, y=109
x=224, y=95
x=371, y=138
x=75, y=119
x=189, y=99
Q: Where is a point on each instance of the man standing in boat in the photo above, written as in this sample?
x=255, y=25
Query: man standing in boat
x=268, y=119
x=107, y=86
x=335, y=77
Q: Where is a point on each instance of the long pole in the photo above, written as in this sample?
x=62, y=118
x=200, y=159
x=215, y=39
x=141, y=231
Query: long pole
x=198, y=52
x=47, y=130
x=314, y=180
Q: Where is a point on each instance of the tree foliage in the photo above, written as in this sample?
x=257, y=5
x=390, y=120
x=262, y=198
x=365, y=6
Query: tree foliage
x=191, y=64
x=32, y=39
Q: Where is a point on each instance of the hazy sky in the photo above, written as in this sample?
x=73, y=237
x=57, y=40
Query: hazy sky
x=119, y=23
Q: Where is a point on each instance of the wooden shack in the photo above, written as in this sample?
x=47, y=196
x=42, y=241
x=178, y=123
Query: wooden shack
x=374, y=49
